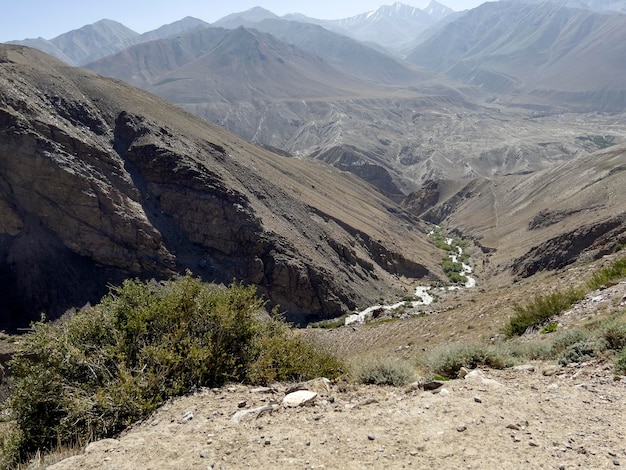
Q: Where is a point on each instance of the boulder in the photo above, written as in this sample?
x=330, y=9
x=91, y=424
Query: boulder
x=299, y=398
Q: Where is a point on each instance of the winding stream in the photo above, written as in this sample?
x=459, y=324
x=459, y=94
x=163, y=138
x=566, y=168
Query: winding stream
x=421, y=292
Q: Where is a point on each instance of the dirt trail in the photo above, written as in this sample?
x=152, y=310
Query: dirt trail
x=506, y=419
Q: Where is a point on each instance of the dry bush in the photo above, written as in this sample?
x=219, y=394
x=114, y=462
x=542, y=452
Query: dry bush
x=381, y=371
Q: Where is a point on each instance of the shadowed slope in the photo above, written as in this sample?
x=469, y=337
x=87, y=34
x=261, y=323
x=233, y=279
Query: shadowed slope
x=100, y=181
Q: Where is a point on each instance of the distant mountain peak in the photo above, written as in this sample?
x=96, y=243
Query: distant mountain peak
x=393, y=26
x=437, y=10
x=253, y=15
x=396, y=9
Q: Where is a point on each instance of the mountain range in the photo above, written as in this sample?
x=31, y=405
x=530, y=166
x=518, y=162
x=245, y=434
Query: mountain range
x=504, y=124
x=527, y=49
x=308, y=108
x=97, y=40
x=116, y=182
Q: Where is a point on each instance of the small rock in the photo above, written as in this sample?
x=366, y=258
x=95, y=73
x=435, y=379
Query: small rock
x=562, y=467
x=320, y=385
x=477, y=400
x=433, y=385
x=461, y=428
x=475, y=374
x=524, y=368
x=478, y=376
x=241, y=404
x=103, y=445
x=512, y=426
x=414, y=386
x=263, y=390
x=616, y=463
x=369, y=401
x=267, y=443
x=550, y=370
x=187, y=417
x=612, y=453
x=371, y=437
x=299, y=398
x=462, y=373
x=533, y=444
x=254, y=411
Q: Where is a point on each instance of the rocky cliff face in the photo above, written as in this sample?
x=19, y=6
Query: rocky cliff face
x=99, y=181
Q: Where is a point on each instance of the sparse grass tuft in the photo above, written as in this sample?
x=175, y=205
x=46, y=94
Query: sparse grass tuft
x=381, y=371
x=620, y=362
x=526, y=351
x=447, y=360
x=614, y=333
x=329, y=323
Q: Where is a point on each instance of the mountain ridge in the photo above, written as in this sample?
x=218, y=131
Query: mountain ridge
x=528, y=50
x=117, y=183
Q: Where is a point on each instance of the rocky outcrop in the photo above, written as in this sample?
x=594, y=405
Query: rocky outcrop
x=568, y=247
x=100, y=181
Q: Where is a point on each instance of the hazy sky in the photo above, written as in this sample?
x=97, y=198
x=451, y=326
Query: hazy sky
x=20, y=19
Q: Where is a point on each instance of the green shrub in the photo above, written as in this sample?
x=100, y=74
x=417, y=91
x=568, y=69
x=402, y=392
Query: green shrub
x=607, y=276
x=579, y=345
x=549, y=328
x=382, y=371
x=453, y=270
x=541, y=309
x=620, y=362
x=329, y=323
x=448, y=360
x=101, y=369
x=565, y=339
x=614, y=333
x=283, y=356
x=581, y=351
x=442, y=245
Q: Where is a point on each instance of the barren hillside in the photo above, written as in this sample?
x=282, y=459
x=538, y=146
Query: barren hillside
x=101, y=181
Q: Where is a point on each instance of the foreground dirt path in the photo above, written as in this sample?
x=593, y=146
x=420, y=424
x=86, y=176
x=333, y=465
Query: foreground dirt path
x=508, y=419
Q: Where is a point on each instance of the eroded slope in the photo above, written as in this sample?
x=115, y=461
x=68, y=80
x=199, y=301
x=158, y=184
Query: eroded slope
x=100, y=181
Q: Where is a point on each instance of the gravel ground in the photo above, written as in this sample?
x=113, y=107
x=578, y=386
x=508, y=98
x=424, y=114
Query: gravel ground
x=539, y=416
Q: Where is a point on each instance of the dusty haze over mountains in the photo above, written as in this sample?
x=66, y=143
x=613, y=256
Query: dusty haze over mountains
x=424, y=191
x=420, y=116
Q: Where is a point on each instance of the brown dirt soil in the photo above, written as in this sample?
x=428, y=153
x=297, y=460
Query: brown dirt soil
x=493, y=419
